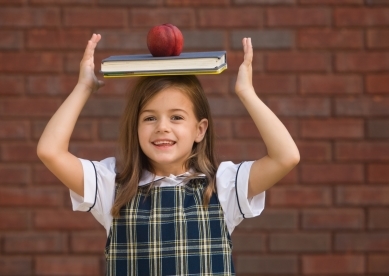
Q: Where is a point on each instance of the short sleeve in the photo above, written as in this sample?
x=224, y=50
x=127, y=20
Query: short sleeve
x=99, y=190
x=232, y=188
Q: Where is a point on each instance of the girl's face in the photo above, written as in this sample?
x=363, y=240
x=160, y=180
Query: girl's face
x=167, y=129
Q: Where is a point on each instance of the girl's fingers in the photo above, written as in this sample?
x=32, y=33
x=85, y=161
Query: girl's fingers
x=248, y=51
x=90, y=47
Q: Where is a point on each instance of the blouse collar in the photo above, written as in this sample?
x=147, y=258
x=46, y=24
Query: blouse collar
x=148, y=177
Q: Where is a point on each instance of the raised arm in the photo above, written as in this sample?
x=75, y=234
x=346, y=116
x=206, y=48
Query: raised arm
x=282, y=153
x=54, y=143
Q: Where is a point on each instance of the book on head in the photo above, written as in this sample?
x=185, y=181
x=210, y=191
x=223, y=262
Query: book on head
x=194, y=63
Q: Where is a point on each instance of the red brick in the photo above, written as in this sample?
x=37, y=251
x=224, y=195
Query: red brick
x=222, y=129
x=362, y=62
x=64, y=220
x=378, y=39
x=378, y=128
x=61, y=2
x=245, y=128
x=57, y=39
x=28, y=107
x=35, y=243
x=331, y=84
x=67, y=265
x=132, y=3
x=13, y=2
x=333, y=264
x=235, y=59
x=275, y=84
x=30, y=62
x=124, y=41
x=300, y=242
x=14, y=174
x=301, y=107
x=298, y=17
x=346, y=17
x=378, y=218
x=93, y=151
x=330, y=39
x=339, y=218
x=11, y=85
x=264, y=2
x=291, y=178
x=88, y=242
x=181, y=17
x=271, y=219
x=244, y=242
x=362, y=195
x=362, y=151
x=332, y=2
x=332, y=128
x=19, y=152
x=84, y=130
x=214, y=85
x=109, y=130
x=373, y=106
x=51, y=85
x=378, y=263
x=300, y=196
x=226, y=107
x=274, y=265
x=298, y=62
x=204, y=39
x=11, y=40
x=314, y=151
x=41, y=176
x=107, y=107
x=362, y=242
x=13, y=220
x=332, y=173
x=16, y=130
x=377, y=83
x=237, y=17
x=197, y=2
x=12, y=197
x=30, y=17
x=115, y=86
x=237, y=151
x=378, y=173
x=16, y=265
x=263, y=38
x=377, y=2
x=106, y=18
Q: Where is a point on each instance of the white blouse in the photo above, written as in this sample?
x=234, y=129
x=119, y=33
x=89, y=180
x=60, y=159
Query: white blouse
x=231, y=182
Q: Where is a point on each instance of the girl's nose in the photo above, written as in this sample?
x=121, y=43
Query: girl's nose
x=163, y=126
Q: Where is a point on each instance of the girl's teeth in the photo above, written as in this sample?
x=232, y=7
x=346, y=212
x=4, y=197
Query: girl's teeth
x=164, y=143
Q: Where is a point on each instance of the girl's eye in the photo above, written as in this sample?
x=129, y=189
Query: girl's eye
x=149, y=119
x=174, y=118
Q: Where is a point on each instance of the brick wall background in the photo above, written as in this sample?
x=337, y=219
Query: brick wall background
x=321, y=65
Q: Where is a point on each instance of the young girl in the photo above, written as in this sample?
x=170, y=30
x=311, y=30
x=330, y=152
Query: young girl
x=167, y=207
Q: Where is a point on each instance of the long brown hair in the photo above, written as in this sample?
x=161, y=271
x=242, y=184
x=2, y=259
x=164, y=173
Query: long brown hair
x=132, y=161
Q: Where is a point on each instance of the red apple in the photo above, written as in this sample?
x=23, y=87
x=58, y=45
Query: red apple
x=165, y=40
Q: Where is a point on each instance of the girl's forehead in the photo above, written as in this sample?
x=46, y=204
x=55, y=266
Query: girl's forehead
x=169, y=97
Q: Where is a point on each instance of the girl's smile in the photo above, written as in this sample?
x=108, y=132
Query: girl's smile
x=167, y=130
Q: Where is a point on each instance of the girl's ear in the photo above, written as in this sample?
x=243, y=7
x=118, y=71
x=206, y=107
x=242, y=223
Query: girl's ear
x=202, y=127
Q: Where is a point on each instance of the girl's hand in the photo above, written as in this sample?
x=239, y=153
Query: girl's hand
x=245, y=74
x=87, y=75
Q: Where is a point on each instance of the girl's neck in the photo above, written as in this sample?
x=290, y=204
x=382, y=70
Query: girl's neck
x=167, y=170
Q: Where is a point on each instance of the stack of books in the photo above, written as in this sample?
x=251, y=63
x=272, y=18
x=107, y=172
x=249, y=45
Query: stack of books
x=195, y=63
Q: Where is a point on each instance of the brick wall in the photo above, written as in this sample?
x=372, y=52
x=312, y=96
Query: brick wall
x=321, y=65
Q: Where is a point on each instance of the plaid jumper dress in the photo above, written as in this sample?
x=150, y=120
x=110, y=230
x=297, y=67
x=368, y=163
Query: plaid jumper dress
x=168, y=232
